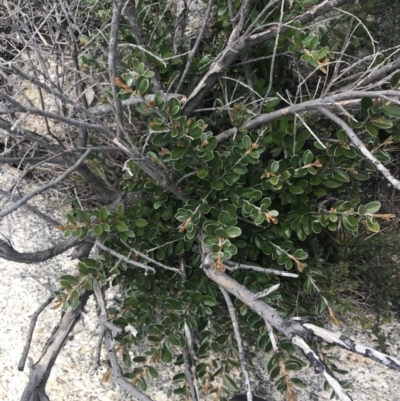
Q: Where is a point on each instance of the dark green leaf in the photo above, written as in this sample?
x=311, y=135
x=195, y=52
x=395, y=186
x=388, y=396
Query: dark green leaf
x=166, y=355
x=230, y=384
x=121, y=226
x=140, y=223
x=153, y=372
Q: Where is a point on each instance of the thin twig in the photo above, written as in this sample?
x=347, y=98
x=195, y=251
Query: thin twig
x=272, y=67
x=124, y=258
x=45, y=187
x=34, y=317
x=137, y=30
x=143, y=255
x=195, y=47
x=32, y=209
x=109, y=345
x=242, y=357
x=112, y=60
x=360, y=145
x=97, y=355
x=187, y=352
x=233, y=266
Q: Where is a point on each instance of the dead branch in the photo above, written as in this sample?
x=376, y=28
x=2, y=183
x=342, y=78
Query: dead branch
x=151, y=260
x=233, y=266
x=293, y=330
x=187, y=352
x=30, y=208
x=192, y=52
x=347, y=343
x=236, y=330
x=359, y=145
x=34, y=317
x=229, y=54
x=137, y=30
x=109, y=343
x=179, y=13
x=320, y=368
x=35, y=389
x=112, y=61
x=45, y=187
x=124, y=258
x=7, y=252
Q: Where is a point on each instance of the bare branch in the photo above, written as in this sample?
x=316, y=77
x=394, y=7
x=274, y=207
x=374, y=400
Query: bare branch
x=153, y=170
x=375, y=75
x=320, y=367
x=227, y=56
x=34, y=317
x=7, y=252
x=108, y=108
x=242, y=357
x=233, y=266
x=57, y=117
x=241, y=19
x=284, y=325
x=42, y=160
x=109, y=344
x=271, y=72
x=156, y=262
x=40, y=372
x=347, y=343
x=136, y=26
x=268, y=291
x=359, y=144
x=188, y=352
x=45, y=187
x=112, y=60
x=99, y=344
x=29, y=135
x=124, y=258
x=293, y=330
x=196, y=45
x=179, y=13
x=32, y=209
x=328, y=101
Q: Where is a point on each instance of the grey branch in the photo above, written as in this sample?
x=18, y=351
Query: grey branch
x=236, y=330
x=192, y=52
x=7, y=252
x=359, y=144
x=136, y=26
x=124, y=258
x=187, y=352
x=156, y=262
x=31, y=136
x=45, y=187
x=32, y=209
x=179, y=13
x=57, y=117
x=320, y=367
x=222, y=63
x=40, y=372
x=322, y=102
x=293, y=330
x=109, y=343
x=34, y=317
x=233, y=266
x=347, y=343
x=112, y=61
x=108, y=108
